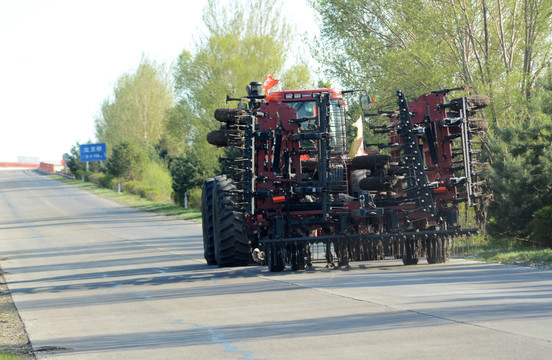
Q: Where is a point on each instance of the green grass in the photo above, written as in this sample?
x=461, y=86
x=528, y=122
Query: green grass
x=504, y=251
x=8, y=356
x=163, y=208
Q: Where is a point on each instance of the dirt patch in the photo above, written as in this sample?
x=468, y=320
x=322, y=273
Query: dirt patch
x=13, y=337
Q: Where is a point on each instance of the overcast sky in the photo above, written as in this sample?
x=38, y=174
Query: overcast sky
x=59, y=59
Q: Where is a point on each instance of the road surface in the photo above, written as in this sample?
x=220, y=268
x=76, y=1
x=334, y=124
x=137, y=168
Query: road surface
x=96, y=280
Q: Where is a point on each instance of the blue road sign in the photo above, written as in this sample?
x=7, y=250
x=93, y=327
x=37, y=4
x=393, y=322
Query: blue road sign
x=93, y=152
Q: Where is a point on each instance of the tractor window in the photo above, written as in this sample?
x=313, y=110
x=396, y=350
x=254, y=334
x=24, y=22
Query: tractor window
x=337, y=122
x=304, y=109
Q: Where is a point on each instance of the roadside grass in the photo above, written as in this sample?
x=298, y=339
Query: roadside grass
x=500, y=251
x=9, y=356
x=163, y=208
x=503, y=251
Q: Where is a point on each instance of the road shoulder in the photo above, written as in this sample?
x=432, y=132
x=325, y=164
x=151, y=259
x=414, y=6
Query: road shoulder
x=13, y=338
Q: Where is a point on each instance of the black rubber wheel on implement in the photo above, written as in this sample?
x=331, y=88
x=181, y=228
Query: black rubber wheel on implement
x=410, y=257
x=479, y=124
x=434, y=250
x=228, y=114
x=370, y=161
x=474, y=102
x=217, y=138
x=275, y=258
x=232, y=247
x=373, y=183
x=430, y=251
x=207, y=221
x=298, y=255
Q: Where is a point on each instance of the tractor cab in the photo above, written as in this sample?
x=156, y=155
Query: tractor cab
x=304, y=102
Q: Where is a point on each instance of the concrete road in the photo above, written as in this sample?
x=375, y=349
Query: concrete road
x=96, y=280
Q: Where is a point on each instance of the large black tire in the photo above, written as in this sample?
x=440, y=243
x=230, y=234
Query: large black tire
x=232, y=246
x=207, y=221
x=275, y=258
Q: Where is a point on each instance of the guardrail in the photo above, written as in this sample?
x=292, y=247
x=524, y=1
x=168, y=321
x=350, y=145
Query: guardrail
x=65, y=175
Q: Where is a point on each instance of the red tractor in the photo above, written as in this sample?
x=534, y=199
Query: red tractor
x=291, y=184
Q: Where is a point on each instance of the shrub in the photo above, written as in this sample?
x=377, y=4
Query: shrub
x=194, y=198
x=113, y=182
x=127, y=161
x=106, y=180
x=156, y=176
x=80, y=173
x=153, y=195
x=136, y=188
x=95, y=178
x=129, y=186
x=177, y=198
x=541, y=226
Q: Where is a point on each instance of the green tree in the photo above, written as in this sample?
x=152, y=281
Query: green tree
x=541, y=226
x=187, y=172
x=244, y=41
x=543, y=98
x=137, y=111
x=519, y=179
x=498, y=47
x=127, y=161
x=74, y=164
x=521, y=172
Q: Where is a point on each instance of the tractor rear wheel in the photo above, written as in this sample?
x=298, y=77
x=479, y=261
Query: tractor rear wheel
x=232, y=246
x=207, y=221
